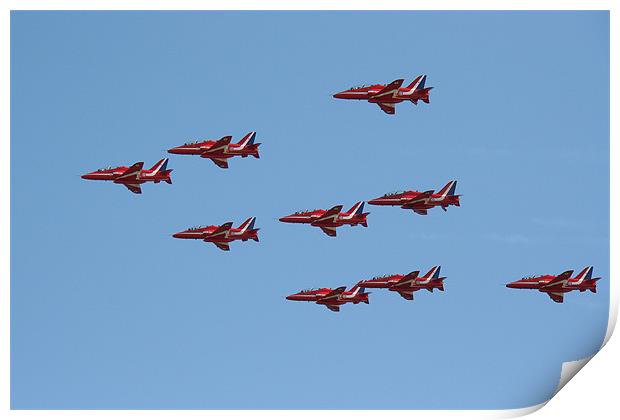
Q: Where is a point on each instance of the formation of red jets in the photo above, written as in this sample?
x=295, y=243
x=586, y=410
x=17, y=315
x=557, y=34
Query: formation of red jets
x=404, y=285
x=386, y=97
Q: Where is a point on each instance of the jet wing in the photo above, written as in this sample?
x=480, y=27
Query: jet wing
x=387, y=108
x=221, y=162
x=562, y=279
x=220, y=231
x=556, y=297
x=330, y=215
x=134, y=188
x=334, y=294
x=333, y=308
x=389, y=90
x=131, y=174
x=418, y=199
x=219, y=146
x=329, y=231
x=222, y=245
x=406, y=295
x=408, y=278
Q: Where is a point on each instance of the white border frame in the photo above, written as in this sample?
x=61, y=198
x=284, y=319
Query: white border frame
x=600, y=383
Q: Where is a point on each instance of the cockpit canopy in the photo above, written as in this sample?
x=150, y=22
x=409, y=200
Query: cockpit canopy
x=304, y=211
x=393, y=193
x=189, y=143
x=359, y=87
x=533, y=276
x=308, y=290
x=382, y=276
x=197, y=227
x=107, y=168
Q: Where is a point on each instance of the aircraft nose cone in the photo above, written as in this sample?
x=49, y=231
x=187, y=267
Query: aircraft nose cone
x=512, y=285
x=284, y=219
x=338, y=95
x=374, y=201
x=173, y=151
x=86, y=176
x=176, y=235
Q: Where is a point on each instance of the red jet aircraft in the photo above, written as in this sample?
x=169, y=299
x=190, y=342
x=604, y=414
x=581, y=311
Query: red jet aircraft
x=329, y=220
x=222, y=235
x=131, y=177
x=387, y=96
x=332, y=298
x=406, y=285
x=556, y=286
x=420, y=202
x=219, y=151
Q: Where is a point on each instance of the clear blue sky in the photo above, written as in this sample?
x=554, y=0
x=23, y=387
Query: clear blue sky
x=109, y=311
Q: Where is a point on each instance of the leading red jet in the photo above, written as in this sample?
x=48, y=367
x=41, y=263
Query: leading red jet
x=556, y=286
x=220, y=150
x=332, y=298
x=421, y=202
x=387, y=96
x=329, y=220
x=221, y=235
x=407, y=284
x=131, y=177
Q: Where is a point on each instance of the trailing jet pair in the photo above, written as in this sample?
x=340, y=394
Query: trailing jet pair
x=219, y=151
x=332, y=298
x=132, y=176
x=421, y=202
x=556, y=286
x=329, y=220
x=222, y=235
x=387, y=96
x=407, y=284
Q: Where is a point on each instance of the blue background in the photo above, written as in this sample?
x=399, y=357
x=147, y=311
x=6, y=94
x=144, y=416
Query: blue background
x=108, y=311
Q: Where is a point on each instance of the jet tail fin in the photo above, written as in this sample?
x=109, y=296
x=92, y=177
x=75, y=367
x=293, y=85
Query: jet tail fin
x=417, y=84
x=433, y=272
x=160, y=166
x=248, y=139
x=248, y=224
x=448, y=189
x=357, y=209
x=584, y=275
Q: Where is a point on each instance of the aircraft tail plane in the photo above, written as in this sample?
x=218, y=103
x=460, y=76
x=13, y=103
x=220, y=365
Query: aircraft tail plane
x=160, y=166
x=248, y=224
x=585, y=278
x=357, y=209
x=433, y=273
x=448, y=189
x=248, y=139
x=359, y=290
x=585, y=275
x=417, y=84
x=247, y=142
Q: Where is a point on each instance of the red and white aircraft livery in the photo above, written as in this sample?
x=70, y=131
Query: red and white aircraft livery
x=556, y=286
x=222, y=235
x=332, y=298
x=329, y=220
x=133, y=176
x=420, y=202
x=407, y=284
x=220, y=150
x=387, y=96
